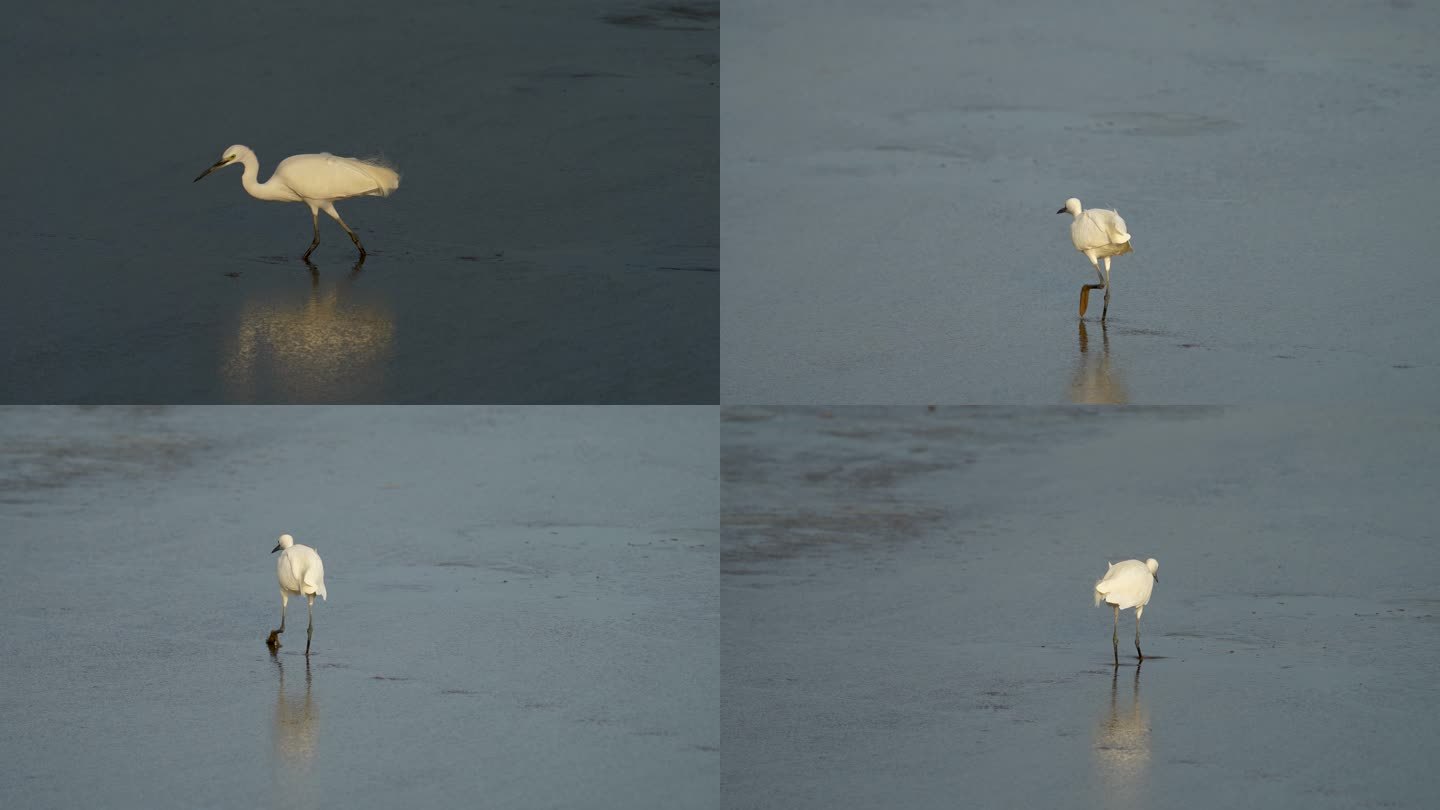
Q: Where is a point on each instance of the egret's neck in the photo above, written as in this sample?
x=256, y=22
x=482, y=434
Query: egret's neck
x=269, y=190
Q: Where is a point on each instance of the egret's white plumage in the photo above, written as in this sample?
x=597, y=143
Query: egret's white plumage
x=1099, y=233
x=301, y=573
x=1127, y=585
x=316, y=180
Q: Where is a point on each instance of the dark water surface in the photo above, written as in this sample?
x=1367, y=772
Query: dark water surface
x=522, y=612
x=908, y=621
x=554, y=237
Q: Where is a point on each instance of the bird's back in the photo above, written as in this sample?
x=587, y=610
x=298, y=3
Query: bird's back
x=1098, y=228
x=1125, y=585
x=301, y=571
x=330, y=177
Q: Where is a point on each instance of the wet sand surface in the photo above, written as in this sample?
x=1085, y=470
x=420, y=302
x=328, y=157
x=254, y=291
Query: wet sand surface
x=523, y=608
x=908, y=619
x=554, y=238
x=890, y=174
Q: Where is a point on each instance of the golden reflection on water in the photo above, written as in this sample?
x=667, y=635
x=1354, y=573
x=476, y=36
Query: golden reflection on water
x=1122, y=747
x=296, y=733
x=1095, y=382
x=316, y=348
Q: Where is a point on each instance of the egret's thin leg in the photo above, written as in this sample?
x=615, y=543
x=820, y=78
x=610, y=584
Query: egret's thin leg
x=274, y=639
x=330, y=209
x=315, y=223
x=1085, y=290
x=1115, y=636
x=1106, y=310
x=1137, y=637
x=310, y=631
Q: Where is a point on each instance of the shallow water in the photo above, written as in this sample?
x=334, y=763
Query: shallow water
x=522, y=607
x=554, y=237
x=907, y=612
x=891, y=172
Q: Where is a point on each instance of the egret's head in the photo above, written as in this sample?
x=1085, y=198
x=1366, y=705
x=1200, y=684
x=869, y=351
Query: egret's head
x=235, y=154
x=1072, y=206
x=1153, y=565
x=287, y=541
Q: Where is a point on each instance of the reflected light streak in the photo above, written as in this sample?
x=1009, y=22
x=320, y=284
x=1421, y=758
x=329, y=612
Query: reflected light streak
x=296, y=734
x=316, y=349
x=1122, y=747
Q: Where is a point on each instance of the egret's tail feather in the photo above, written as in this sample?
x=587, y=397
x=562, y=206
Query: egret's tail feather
x=386, y=179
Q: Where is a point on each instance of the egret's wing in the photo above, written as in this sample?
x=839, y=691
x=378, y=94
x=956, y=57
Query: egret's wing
x=1086, y=233
x=1115, y=579
x=1116, y=226
x=315, y=572
x=285, y=573
x=1097, y=228
x=328, y=177
x=383, y=179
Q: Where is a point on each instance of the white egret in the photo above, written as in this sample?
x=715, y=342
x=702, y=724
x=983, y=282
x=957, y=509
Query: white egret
x=301, y=573
x=1125, y=585
x=316, y=180
x=1099, y=233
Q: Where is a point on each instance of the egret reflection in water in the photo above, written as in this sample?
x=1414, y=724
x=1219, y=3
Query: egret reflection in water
x=1095, y=381
x=1122, y=746
x=318, y=347
x=296, y=735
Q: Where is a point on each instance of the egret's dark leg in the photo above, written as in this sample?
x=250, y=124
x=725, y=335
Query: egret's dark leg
x=315, y=223
x=310, y=631
x=1115, y=636
x=1085, y=290
x=330, y=209
x=274, y=639
x=355, y=239
x=1137, y=636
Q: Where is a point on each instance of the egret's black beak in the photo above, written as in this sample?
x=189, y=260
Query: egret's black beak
x=1061, y=211
x=277, y=545
x=1156, y=576
x=218, y=164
